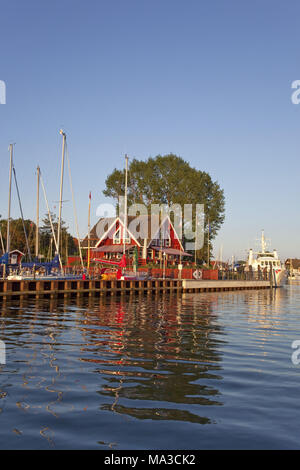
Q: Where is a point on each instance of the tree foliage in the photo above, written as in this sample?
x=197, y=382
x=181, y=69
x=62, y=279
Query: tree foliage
x=18, y=240
x=67, y=242
x=17, y=236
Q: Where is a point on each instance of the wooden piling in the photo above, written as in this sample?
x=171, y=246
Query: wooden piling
x=66, y=288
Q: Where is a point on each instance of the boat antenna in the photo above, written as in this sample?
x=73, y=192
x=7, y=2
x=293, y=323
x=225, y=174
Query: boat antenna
x=263, y=242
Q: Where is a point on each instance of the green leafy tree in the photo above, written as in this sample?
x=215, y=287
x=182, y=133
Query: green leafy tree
x=18, y=240
x=67, y=242
x=17, y=235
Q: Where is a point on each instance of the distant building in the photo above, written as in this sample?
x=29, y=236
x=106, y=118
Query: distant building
x=292, y=263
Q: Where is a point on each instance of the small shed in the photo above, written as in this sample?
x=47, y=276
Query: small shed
x=15, y=256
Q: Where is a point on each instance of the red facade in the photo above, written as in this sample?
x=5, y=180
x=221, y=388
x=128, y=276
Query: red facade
x=111, y=244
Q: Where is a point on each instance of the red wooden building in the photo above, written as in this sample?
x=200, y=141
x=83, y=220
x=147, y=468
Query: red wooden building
x=152, y=245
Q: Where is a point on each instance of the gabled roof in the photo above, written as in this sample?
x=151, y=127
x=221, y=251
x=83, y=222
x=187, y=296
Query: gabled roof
x=110, y=222
x=93, y=233
x=157, y=234
x=118, y=219
x=17, y=251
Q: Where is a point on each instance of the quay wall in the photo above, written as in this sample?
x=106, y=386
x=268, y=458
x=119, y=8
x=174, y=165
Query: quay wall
x=68, y=288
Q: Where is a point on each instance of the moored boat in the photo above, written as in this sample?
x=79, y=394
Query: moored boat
x=267, y=262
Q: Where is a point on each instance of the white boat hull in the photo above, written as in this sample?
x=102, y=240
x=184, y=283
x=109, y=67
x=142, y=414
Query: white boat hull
x=280, y=277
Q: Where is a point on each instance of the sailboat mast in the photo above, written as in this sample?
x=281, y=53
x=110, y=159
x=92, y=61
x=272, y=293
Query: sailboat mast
x=1, y=239
x=51, y=223
x=196, y=240
x=9, y=200
x=89, y=231
x=208, y=260
x=61, y=187
x=37, y=214
x=263, y=242
x=125, y=208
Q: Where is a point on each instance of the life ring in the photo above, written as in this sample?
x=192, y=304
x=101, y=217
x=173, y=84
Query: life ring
x=197, y=274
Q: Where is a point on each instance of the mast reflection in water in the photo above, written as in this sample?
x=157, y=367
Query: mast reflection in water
x=155, y=360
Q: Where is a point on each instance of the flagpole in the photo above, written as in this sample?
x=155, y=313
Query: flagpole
x=196, y=241
x=125, y=208
x=208, y=245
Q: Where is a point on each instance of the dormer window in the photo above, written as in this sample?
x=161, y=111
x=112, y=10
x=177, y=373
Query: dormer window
x=117, y=240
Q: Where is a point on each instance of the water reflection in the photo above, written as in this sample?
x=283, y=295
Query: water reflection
x=76, y=368
x=158, y=352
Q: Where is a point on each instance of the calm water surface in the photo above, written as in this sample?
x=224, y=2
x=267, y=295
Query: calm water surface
x=199, y=371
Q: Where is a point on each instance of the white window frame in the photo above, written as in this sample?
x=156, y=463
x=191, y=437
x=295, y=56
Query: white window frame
x=126, y=240
x=116, y=238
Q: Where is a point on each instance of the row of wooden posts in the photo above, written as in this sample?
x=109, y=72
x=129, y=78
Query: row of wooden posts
x=69, y=288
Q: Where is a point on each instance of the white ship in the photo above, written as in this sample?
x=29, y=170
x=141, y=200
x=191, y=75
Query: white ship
x=267, y=262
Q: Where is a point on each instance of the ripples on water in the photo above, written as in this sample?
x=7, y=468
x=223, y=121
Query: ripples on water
x=197, y=371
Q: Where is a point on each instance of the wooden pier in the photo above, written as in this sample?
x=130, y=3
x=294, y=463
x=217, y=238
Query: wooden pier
x=38, y=289
x=219, y=286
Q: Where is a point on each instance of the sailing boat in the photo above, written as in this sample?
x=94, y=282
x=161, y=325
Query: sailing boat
x=27, y=271
x=268, y=261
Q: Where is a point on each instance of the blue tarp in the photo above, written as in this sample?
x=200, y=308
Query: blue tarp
x=4, y=259
x=35, y=264
x=48, y=266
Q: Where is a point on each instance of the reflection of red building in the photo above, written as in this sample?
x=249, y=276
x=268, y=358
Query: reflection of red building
x=164, y=242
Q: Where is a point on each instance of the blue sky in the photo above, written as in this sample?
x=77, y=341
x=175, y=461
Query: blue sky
x=207, y=80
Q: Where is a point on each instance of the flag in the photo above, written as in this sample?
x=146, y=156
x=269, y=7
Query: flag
x=90, y=195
